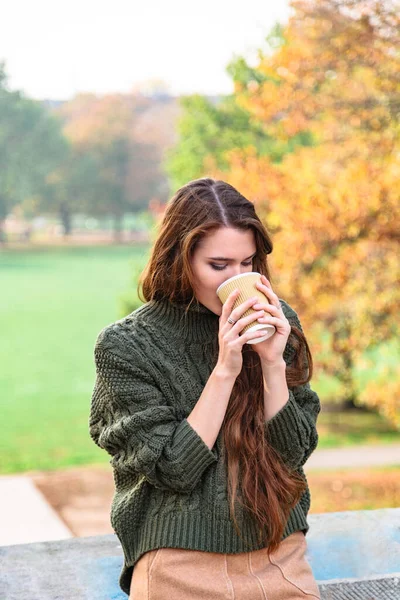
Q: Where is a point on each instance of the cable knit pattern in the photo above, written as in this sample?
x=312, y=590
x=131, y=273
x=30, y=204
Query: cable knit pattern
x=170, y=488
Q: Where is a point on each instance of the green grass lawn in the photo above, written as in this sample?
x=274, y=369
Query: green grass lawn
x=53, y=303
x=353, y=427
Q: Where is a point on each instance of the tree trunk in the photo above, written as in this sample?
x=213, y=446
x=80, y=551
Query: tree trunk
x=340, y=347
x=347, y=379
x=117, y=228
x=65, y=216
x=348, y=404
x=3, y=237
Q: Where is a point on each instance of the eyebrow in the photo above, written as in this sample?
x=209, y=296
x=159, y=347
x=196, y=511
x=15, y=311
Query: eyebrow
x=228, y=259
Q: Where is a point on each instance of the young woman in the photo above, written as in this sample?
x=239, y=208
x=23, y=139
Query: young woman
x=208, y=434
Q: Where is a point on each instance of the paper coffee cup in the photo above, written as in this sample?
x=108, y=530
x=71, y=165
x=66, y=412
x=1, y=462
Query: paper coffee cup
x=246, y=284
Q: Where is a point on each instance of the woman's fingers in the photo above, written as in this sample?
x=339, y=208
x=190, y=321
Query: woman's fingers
x=239, y=310
x=249, y=335
x=228, y=305
x=267, y=307
x=266, y=289
x=242, y=322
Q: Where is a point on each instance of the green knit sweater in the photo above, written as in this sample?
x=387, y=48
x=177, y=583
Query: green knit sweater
x=170, y=488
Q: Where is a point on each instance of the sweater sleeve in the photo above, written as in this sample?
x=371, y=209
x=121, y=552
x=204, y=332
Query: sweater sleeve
x=292, y=430
x=131, y=420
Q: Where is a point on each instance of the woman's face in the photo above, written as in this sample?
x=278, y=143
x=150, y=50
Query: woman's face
x=221, y=254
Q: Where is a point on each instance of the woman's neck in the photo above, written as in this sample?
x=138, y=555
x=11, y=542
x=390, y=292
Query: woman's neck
x=195, y=324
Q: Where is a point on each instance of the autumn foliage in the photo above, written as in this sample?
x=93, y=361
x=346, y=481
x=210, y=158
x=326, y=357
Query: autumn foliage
x=332, y=206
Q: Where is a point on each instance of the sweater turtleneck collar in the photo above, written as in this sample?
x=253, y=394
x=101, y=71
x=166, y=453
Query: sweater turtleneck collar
x=197, y=324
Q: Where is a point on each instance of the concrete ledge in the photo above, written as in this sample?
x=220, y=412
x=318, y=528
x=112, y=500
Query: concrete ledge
x=385, y=587
x=354, y=544
x=76, y=569
x=355, y=555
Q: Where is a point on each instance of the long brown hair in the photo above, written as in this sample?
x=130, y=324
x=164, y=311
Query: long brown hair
x=268, y=487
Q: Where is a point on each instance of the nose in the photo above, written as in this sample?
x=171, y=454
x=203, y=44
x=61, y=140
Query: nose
x=236, y=270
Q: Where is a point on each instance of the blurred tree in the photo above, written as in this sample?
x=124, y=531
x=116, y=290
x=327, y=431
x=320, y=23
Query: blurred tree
x=333, y=208
x=335, y=75
x=215, y=126
x=101, y=127
x=153, y=133
x=31, y=147
x=71, y=188
x=209, y=128
x=128, y=149
x=335, y=254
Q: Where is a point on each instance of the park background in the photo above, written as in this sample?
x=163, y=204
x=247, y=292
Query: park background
x=309, y=132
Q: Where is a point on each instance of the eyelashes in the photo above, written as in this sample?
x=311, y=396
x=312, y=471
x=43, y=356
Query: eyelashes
x=219, y=268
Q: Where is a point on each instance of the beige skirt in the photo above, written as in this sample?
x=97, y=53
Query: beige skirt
x=180, y=574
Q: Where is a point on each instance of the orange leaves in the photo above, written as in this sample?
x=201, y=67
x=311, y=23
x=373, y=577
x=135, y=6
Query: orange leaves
x=333, y=207
x=384, y=394
x=351, y=489
x=97, y=120
x=334, y=71
x=323, y=170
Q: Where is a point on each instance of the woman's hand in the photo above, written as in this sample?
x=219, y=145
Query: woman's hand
x=271, y=350
x=230, y=359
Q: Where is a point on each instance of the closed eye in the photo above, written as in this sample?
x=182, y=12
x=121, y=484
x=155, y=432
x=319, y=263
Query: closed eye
x=221, y=268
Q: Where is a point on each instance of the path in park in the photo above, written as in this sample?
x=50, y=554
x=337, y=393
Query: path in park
x=26, y=516
x=354, y=456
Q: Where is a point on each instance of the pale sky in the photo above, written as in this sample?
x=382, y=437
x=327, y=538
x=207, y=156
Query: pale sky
x=56, y=49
